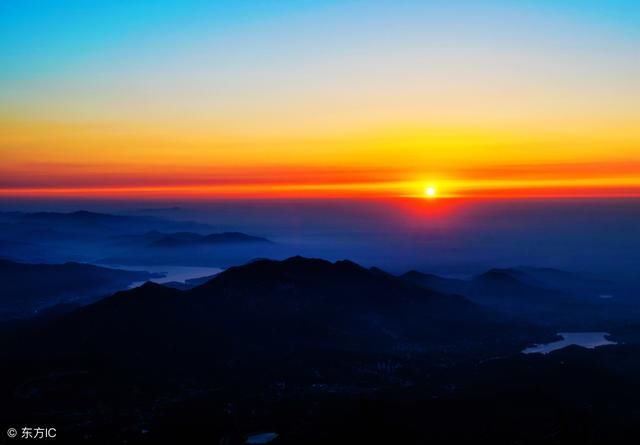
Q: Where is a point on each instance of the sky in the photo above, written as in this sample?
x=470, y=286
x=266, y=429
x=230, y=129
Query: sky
x=307, y=98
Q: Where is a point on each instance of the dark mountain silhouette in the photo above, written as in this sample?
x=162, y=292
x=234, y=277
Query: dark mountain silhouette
x=318, y=352
x=285, y=305
x=336, y=305
x=27, y=288
x=271, y=311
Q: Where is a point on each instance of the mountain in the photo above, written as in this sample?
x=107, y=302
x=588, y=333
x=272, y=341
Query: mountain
x=59, y=225
x=186, y=248
x=577, y=284
x=522, y=293
x=122, y=239
x=183, y=239
x=298, y=346
x=80, y=216
x=272, y=311
x=435, y=282
x=189, y=283
x=27, y=288
x=501, y=288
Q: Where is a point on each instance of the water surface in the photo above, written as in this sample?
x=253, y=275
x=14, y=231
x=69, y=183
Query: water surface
x=261, y=438
x=170, y=273
x=588, y=340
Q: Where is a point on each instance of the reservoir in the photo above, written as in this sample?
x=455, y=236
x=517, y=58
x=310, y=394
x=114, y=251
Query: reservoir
x=585, y=339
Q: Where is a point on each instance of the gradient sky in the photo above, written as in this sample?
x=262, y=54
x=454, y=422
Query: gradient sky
x=319, y=98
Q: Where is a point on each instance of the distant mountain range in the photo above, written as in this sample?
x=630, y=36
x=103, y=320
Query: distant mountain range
x=577, y=284
x=187, y=239
x=90, y=237
x=541, y=295
x=55, y=225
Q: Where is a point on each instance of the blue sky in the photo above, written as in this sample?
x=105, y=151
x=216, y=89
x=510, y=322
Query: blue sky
x=42, y=34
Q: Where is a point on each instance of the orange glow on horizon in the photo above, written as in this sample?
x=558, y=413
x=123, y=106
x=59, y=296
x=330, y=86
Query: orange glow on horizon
x=123, y=160
x=451, y=189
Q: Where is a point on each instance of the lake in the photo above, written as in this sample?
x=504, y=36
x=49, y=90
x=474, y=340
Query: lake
x=261, y=438
x=588, y=340
x=171, y=273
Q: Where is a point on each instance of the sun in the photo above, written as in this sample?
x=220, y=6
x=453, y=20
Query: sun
x=430, y=192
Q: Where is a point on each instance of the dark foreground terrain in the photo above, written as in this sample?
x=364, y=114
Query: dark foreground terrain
x=316, y=353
